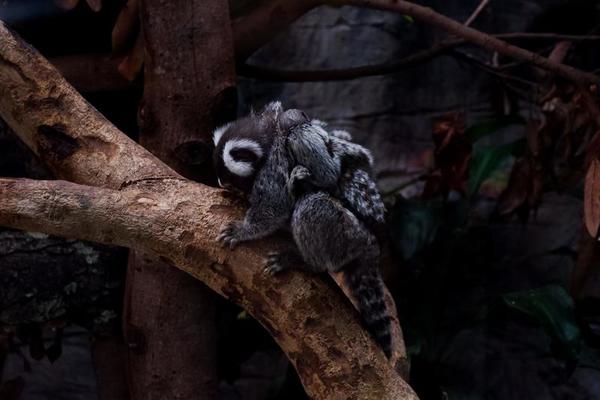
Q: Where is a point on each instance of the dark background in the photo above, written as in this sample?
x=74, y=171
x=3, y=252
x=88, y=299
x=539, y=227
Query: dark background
x=484, y=302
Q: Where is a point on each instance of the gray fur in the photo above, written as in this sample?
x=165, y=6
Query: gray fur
x=328, y=200
x=343, y=169
x=330, y=238
x=308, y=145
x=270, y=205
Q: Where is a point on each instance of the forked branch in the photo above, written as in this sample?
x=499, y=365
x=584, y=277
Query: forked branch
x=309, y=317
x=157, y=211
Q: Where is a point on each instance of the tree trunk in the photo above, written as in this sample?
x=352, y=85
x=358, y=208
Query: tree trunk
x=169, y=316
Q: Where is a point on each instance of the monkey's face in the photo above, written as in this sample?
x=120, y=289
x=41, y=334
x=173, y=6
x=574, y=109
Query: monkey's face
x=242, y=145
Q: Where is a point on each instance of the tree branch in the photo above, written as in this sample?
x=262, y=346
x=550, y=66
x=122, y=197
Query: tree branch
x=310, y=319
x=253, y=31
x=70, y=136
x=341, y=74
x=484, y=40
x=476, y=13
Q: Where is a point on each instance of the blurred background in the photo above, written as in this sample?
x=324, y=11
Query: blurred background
x=481, y=163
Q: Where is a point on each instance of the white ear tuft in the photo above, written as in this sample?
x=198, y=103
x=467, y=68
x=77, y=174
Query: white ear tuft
x=240, y=168
x=218, y=133
x=274, y=107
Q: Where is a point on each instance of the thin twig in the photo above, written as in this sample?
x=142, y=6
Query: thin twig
x=476, y=13
x=341, y=74
x=491, y=70
x=472, y=35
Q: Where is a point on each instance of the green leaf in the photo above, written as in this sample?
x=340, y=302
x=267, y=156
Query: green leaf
x=486, y=160
x=483, y=163
x=554, y=309
x=414, y=225
x=408, y=18
x=480, y=130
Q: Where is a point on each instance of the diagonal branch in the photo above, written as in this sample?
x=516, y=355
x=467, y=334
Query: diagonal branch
x=70, y=136
x=484, y=40
x=264, y=28
x=278, y=75
x=310, y=319
x=476, y=13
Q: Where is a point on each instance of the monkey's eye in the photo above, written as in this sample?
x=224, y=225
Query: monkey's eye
x=244, y=155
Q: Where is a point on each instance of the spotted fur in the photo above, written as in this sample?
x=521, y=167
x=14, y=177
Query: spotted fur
x=330, y=238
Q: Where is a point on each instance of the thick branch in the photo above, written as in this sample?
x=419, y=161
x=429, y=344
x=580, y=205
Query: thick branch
x=311, y=320
x=72, y=138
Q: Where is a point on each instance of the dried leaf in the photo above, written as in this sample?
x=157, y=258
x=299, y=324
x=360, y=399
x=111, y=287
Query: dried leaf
x=95, y=5
x=587, y=265
x=126, y=28
x=591, y=203
x=66, y=4
x=451, y=157
x=131, y=65
x=533, y=132
x=593, y=149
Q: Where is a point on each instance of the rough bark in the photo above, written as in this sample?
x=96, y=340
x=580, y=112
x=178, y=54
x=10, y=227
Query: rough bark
x=69, y=135
x=180, y=102
x=189, y=81
x=309, y=317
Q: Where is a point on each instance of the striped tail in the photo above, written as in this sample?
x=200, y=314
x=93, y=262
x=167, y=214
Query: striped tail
x=366, y=284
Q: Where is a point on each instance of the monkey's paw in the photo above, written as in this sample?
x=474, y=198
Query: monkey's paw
x=299, y=173
x=230, y=235
x=275, y=263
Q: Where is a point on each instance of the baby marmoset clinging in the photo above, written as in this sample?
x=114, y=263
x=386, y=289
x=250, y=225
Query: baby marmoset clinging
x=317, y=184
